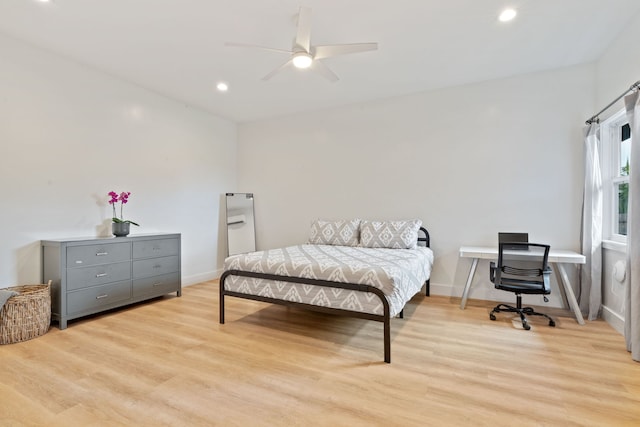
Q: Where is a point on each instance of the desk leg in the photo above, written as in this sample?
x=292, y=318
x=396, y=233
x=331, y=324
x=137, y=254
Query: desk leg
x=467, y=287
x=571, y=297
x=563, y=293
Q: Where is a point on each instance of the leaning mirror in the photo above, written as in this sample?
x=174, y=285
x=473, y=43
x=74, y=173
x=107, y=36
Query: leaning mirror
x=241, y=236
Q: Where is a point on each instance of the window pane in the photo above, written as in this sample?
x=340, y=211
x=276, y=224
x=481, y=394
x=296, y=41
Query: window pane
x=625, y=152
x=623, y=202
x=626, y=132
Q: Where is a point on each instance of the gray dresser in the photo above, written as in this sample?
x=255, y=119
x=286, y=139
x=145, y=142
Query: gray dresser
x=90, y=275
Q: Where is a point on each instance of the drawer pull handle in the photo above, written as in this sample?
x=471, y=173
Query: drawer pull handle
x=157, y=266
x=157, y=284
x=102, y=296
x=102, y=253
x=156, y=248
x=101, y=274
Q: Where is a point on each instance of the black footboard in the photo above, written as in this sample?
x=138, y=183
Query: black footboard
x=385, y=317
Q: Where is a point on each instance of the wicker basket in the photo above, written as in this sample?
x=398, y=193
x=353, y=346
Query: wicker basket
x=26, y=315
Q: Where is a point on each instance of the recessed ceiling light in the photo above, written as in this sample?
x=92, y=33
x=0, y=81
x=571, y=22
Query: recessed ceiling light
x=507, y=15
x=222, y=87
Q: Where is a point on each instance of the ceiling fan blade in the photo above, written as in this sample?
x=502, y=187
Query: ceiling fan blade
x=253, y=46
x=277, y=70
x=303, y=36
x=328, y=51
x=324, y=71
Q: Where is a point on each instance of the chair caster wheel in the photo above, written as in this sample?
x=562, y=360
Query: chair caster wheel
x=526, y=326
x=552, y=323
x=492, y=316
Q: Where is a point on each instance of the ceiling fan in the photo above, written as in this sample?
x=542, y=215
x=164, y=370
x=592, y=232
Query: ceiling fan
x=304, y=55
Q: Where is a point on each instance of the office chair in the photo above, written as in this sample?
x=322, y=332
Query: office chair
x=523, y=269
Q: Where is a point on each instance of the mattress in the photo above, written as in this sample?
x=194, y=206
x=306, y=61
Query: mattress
x=398, y=273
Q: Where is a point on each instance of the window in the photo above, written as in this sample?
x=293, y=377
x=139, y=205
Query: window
x=616, y=148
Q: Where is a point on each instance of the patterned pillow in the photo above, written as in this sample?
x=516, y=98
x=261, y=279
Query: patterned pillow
x=341, y=232
x=390, y=234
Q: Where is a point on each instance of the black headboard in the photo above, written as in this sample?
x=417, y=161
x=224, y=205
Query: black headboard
x=425, y=238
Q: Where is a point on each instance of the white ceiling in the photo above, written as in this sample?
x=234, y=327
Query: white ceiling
x=176, y=47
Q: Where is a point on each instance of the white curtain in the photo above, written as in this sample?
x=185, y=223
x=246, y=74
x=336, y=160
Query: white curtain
x=632, y=302
x=591, y=237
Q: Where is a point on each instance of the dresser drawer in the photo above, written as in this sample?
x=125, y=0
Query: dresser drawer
x=156, y=248
x=94, y=298
x=78, y=278
x=156, y=285
x=155, y=266
x=79, y=256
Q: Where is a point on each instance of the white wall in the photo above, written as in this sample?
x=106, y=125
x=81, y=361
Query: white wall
x=616, y=71
x=70, y=134
x=470, y=161
x=618, y=68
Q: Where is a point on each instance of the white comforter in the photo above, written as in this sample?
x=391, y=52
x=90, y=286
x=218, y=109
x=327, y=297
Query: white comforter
x=399, y=273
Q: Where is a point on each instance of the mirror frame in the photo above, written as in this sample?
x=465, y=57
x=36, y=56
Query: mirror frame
x=242, y=221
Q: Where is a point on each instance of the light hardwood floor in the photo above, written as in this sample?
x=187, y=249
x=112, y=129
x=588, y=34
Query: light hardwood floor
x=169, y=362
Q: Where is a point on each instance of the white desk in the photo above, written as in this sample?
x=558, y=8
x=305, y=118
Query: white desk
x=557, y=258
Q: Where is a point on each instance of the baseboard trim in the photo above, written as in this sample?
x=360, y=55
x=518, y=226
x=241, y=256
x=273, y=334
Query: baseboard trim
x=442, y=290
x=614, y=319
x=202, y=277
x=487, y=293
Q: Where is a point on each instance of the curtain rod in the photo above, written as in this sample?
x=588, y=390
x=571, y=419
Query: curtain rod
x=595, y=117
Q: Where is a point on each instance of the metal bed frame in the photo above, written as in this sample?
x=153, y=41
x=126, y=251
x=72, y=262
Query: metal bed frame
x=423, y=238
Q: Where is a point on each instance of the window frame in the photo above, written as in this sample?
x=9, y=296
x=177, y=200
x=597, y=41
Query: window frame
x=611, y=138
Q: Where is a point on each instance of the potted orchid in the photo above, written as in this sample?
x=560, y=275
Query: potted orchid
x=120, y=226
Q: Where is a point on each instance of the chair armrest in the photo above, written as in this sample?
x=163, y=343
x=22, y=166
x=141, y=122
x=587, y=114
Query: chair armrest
x=546, y=279
x=492, y=272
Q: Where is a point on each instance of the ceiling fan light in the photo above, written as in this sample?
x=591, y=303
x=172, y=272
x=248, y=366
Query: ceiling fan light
x=302, y=60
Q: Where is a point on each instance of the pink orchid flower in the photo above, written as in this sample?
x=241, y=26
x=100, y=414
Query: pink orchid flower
x=122, y=198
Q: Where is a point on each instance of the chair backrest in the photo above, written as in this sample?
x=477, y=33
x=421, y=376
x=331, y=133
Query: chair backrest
x=522, y=261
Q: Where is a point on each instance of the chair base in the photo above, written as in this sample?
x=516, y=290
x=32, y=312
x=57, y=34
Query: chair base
x=522, y=311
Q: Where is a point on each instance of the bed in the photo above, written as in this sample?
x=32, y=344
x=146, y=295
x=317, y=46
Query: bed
x=359, y=268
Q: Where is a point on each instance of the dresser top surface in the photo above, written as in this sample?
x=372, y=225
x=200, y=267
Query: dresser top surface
x=108, y=239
